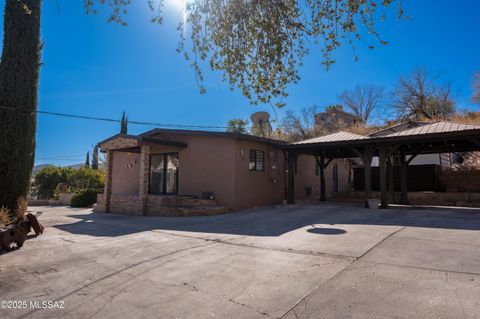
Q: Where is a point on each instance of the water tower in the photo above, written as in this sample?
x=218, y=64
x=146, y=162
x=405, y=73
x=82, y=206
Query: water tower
x=261, y=121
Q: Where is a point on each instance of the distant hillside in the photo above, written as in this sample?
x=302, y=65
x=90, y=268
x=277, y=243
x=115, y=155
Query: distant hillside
x=76, y=166
x=37, y=168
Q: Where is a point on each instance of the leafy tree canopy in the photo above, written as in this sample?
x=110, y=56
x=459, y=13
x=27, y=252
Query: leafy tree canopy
x=237, y=126
x=259, y=45
x=47, y=179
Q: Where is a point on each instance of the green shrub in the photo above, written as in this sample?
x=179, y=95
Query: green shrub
x=85, y=198
x=86, y=178
x=47, y=180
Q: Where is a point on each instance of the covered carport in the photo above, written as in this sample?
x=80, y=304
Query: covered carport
x=403, y=146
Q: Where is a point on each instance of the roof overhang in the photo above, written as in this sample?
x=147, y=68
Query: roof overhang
x=237, y=136
x=132, y=143
x=429, y=143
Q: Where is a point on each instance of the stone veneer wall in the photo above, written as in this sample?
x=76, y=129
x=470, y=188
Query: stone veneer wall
x=421, y=198
x=100, y=205
x=182, y=206
x=160, y=205
x=120, y=204
x=129, y=204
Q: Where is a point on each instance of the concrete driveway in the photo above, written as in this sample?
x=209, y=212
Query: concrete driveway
x=319, y=261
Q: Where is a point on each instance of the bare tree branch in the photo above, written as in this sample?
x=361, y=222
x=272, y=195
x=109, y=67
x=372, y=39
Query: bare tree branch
x=476, y=88
x=300, y=125
x=363, y=100
x=419, y=96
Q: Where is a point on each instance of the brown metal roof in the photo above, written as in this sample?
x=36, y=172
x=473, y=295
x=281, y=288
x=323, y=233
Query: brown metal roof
x=238, y=136
x=335, y=137
x=397, y=128
x=434, y=128
x=422, y=129
x=440, y=137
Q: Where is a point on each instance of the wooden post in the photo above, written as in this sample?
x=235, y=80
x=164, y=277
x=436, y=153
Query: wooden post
x=291, y=157
x=403, y=180
x=391, y=190
x=368, y=180
x=382, y=159
x=321, y=164
x=366, y=158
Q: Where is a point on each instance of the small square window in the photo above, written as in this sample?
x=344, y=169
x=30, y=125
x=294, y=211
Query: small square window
x=257, y=161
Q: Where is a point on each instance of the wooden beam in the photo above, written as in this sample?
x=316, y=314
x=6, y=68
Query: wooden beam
x=359, y=154
x=403, y=180
x=393, y=149
x=411, y=158
x=368, y=180
x=475, y=142
x=291, y=157
x=328, y=162
x=322, y=165
x=366, y=157
x=391, y=190
x=382, y=159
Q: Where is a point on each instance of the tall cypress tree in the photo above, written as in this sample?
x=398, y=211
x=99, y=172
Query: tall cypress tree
x=87, y=160
x=124, y=124
x=95, y=157
x=19, y=75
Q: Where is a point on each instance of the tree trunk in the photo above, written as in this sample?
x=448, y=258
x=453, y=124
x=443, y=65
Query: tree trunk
x=19, y=75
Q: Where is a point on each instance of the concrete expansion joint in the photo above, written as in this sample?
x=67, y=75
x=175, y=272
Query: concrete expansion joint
x=426, y=268
x=310, y=253
x=353, y=261
x=382, y=241
x=229, y=242
x=304, y=298
x=442, y=241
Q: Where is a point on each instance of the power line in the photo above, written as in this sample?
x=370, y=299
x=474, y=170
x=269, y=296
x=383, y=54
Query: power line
x=65, y=156
x=105, y=119
x=61, y=158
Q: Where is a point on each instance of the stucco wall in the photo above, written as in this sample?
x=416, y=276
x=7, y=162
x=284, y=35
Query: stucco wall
x=220, y=165
x=125, y=173
x=305, y=176
x=258, y=188
x=205, y=165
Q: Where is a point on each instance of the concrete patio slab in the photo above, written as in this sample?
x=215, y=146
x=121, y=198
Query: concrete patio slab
x=369, y=290
x=310, y=261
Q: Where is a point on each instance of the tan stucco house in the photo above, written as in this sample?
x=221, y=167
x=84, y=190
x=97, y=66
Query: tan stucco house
x=190, y=172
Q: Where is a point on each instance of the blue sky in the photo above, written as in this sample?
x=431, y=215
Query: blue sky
x=91, y=67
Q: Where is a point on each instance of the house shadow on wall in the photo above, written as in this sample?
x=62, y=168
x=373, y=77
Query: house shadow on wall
x=273, y=222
